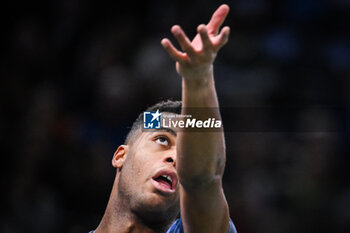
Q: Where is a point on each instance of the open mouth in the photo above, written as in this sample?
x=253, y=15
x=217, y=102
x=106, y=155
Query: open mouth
x=165, y=181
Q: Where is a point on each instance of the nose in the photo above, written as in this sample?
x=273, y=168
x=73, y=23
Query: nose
x=170, y=159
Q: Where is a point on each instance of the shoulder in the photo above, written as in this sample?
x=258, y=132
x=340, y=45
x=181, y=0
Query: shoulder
x=178, y=228
x=232, y=228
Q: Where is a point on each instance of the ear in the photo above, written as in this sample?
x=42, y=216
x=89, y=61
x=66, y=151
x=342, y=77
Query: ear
x=120, y=156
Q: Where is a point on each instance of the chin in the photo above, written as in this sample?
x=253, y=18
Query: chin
x=158, y=209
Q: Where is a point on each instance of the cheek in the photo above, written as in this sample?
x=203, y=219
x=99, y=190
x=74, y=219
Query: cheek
x=144, y=153
x=141, y=163
x=144, y=158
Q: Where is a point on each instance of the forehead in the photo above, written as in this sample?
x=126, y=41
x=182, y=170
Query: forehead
x=141, y=135
x=170, y=131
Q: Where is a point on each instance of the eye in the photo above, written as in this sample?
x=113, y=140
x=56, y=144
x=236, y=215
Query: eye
x=164, y=141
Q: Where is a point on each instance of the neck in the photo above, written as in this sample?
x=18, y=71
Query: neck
x=119, y=218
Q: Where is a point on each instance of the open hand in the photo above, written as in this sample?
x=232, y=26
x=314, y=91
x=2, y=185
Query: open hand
x=197, y=57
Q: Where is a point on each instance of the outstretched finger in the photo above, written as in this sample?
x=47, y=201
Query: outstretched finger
x=204, y=37
x=183, y=40
x=222, y=38
x=217, y=19
x=172, y=51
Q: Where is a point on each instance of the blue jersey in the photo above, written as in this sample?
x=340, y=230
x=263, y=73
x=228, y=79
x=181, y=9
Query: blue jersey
x=178, y=228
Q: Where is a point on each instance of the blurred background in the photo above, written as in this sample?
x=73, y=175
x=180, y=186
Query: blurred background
x=75, y=75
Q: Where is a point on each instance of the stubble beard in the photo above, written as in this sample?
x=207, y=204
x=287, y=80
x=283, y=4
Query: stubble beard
x=154, y=216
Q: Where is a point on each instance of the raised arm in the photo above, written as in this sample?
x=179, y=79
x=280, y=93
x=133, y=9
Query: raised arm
x=201, y=155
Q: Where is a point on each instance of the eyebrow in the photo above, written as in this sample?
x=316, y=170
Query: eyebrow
x=167, y=130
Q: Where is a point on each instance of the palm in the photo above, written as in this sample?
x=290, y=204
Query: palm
x=197, y=42
x=212, y=33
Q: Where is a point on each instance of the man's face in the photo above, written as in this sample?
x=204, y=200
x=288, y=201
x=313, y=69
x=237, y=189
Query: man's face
x=148, y=176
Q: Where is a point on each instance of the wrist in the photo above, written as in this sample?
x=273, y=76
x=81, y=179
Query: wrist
x=198, y=79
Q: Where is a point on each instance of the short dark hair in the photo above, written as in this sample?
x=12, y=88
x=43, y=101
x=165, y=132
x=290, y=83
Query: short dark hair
x=163, y=106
